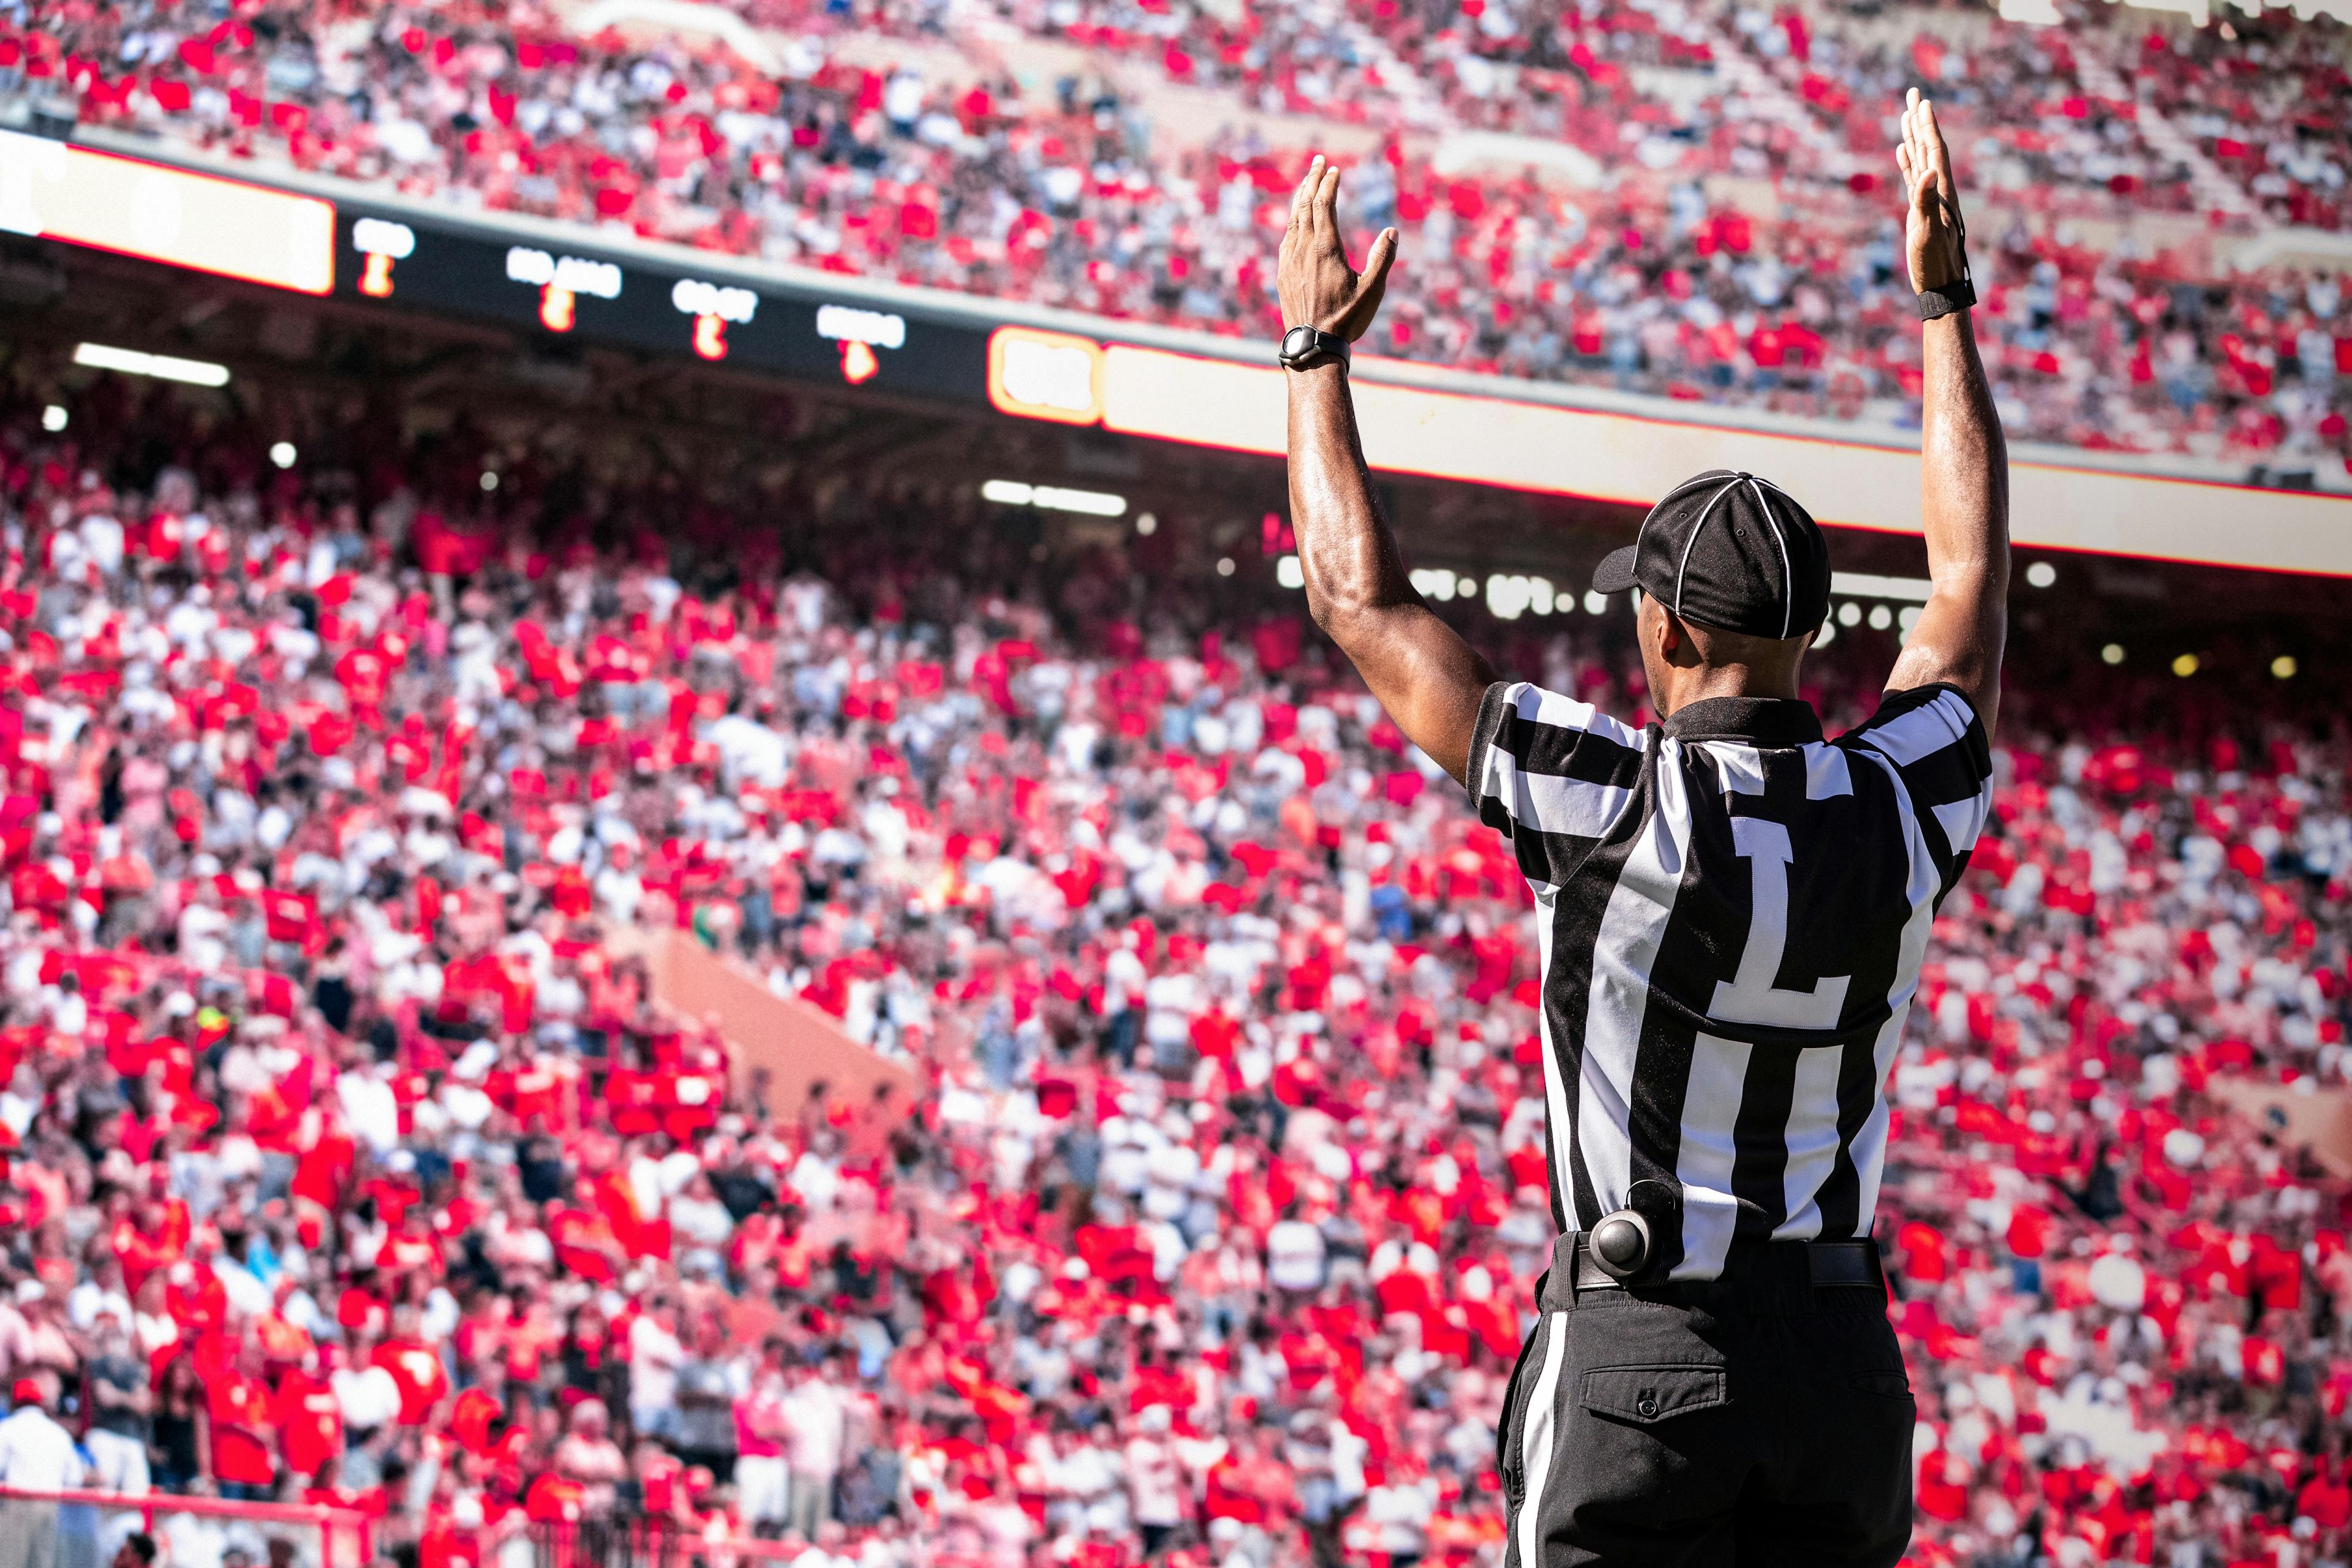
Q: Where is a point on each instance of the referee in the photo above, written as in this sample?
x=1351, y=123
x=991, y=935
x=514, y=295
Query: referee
x=1731, y=911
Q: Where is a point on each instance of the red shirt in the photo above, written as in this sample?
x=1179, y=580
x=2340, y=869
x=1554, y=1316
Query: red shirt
x=240, y=1407
x=1226, y=1496
x=471, y=1420
x=554, y=1497
x=2328, y=1502
x=402, y=1254
x=310, y=1423
x=417, y=1370
x=444, y=1545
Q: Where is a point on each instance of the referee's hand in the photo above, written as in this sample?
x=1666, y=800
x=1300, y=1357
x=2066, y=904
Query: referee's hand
x=1317, y=286
x=1932, y=227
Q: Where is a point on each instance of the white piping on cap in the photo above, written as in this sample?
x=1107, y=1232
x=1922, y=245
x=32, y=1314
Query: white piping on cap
x=1788, y=578
x=1680, y=572
x=1659, y=506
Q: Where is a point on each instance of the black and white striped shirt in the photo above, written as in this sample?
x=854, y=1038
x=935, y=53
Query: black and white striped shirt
x=1731, y=914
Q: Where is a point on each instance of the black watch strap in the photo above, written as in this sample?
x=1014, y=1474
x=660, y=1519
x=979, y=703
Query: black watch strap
x=1956, y=295
x=1304, y=347
x=1962, y=291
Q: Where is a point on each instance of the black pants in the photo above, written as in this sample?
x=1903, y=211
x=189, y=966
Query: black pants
x=1748, y=1420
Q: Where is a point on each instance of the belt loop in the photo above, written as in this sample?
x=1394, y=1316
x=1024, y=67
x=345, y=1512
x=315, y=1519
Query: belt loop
x=1561, y=1279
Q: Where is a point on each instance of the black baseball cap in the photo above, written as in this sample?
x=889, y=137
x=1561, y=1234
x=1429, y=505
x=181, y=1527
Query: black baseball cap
x=1729, y=551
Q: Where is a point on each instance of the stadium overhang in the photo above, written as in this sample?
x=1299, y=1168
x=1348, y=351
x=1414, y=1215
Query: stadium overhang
x=997, y=359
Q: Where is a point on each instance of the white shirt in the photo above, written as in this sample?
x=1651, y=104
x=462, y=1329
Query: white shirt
x=369, y=1397
x=1169, y=1173
x=369, y=1110
x=654, y=1355
x=90, y=1299
x=35, y=1453
x=1156, y=1481
x=1294, y=1256
x=816, y=1421
x=816, y=1179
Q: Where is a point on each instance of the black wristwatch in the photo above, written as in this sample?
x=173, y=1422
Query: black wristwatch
x=1306, y=347
x=1957, y=295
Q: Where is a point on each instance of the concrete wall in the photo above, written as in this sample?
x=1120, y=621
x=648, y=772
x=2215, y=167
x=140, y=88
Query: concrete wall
x=794, y=1045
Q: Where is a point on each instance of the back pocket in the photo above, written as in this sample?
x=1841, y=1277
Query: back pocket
x=1647, y=1395
x=1894, y=1385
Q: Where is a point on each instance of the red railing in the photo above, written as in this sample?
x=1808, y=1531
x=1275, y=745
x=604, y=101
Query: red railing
x=345, y=1538
x=649, y=1541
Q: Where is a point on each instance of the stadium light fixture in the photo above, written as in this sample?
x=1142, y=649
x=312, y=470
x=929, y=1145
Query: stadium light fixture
x=53, y=417
x=1288, y=573
x=2111, y=654
x=1595, y=601
x=1870, y=585
x=282, y=454
x=2041, y=575
x=2185, y=666
x=1828, y=632
x=490, y=479
x=2284, y=666
x=1849, y=614
x=1510, y=594
x=164, y=367
x=1147, y=525
x=1225, y=565
x=1091, y=503
x=1054, y=498
x=1881, y=617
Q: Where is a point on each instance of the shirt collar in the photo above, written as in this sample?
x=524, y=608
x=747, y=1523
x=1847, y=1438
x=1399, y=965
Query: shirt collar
x=1759, y=720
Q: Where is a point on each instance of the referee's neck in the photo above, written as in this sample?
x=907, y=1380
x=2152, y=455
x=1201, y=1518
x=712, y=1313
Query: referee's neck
x=1683, y=685
x=1689, y=662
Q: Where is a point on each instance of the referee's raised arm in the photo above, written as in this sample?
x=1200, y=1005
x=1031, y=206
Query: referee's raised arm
x=1428, y=679
x=1963, y=462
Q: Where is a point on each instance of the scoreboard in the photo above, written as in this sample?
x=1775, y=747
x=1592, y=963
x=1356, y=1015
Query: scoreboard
x=548, y=280
x=571, y=288
x=578, y=284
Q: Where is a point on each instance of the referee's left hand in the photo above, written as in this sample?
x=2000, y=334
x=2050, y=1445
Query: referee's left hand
x=1317, y=286
x=1933, y=230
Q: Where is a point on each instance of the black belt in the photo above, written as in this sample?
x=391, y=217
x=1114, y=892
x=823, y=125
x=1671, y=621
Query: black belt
x=1833, y=1264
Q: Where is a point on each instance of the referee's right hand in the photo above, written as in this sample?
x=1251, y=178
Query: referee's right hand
x=1317, y=286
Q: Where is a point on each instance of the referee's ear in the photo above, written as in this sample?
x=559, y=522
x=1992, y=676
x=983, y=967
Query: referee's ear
x=1675, y=644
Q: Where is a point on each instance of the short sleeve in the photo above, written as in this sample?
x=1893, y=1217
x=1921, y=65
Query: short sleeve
x=1550, y=773
x=1936, y=744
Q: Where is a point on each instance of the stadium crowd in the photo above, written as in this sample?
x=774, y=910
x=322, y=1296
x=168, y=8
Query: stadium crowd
x=1655, y=276
x=350, y=1159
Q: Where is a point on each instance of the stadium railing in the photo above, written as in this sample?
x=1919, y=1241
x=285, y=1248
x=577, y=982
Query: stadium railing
x=648, y=1541
x=86, y=1529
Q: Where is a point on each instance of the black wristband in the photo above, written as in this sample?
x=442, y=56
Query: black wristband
x=1956, y=295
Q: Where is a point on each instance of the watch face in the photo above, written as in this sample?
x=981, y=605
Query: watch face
x=1296, y=341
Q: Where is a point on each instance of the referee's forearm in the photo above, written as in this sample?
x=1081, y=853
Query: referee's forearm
x=1346, y=554
x=1428, y=679
x=1963, y=462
